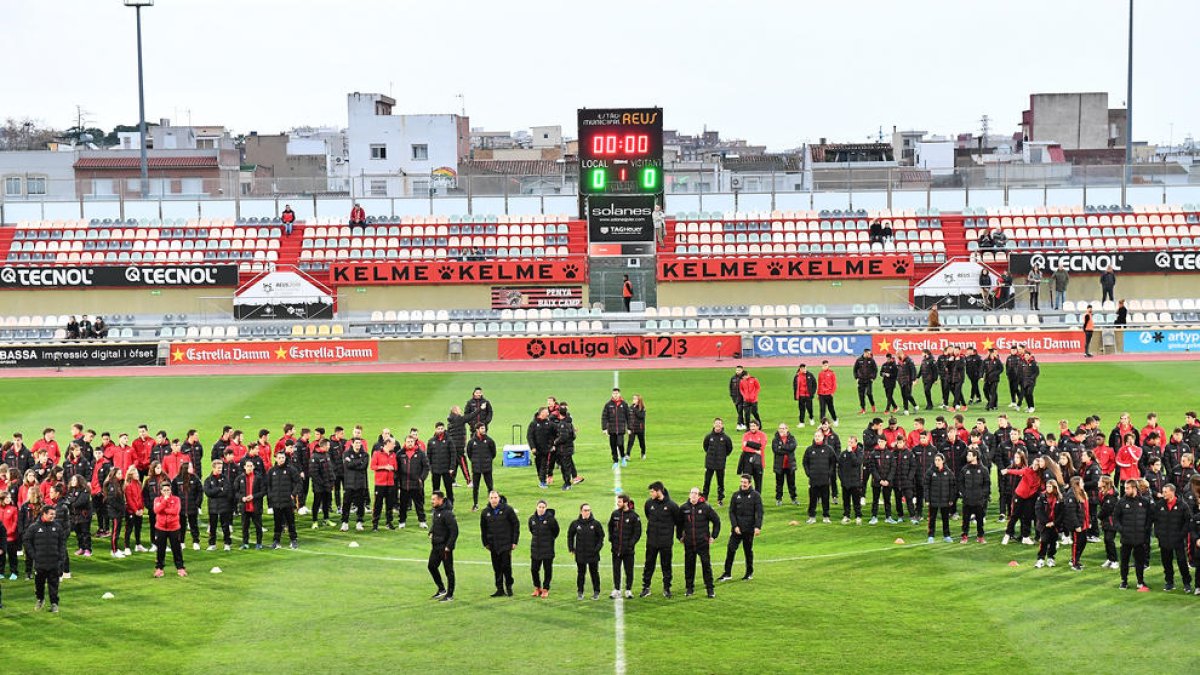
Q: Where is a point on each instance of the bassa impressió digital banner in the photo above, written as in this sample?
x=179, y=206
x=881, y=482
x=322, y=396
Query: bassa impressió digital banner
x=1160, y=341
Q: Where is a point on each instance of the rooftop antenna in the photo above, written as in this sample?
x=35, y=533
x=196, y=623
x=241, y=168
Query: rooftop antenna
x=462, y=100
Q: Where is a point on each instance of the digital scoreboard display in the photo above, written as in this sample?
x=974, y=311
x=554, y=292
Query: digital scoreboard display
x=620, y=151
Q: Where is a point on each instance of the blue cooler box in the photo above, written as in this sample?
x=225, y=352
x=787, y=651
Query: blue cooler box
x=516, y=455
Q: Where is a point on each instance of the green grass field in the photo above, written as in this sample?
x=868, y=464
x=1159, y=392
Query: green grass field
x=832, y=597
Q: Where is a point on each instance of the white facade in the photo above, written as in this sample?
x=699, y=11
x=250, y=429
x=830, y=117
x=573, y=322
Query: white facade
x=37, y=175
x=547, y=136
x=935, y=155
x=393, y=155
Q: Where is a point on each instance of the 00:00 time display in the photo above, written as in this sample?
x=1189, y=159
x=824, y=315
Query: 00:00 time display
x=620, y=144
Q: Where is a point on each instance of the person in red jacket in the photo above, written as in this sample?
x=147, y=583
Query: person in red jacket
x=383, y=463
x=754, y=444
x=143, y=445
x=288, y=217
x=177, y=457
x=358, y=216
x=1106, y=457
x=8, y=519
x=135, y=511
x=47, y=443
x=1128, y=458
x=121, y=455
x=288, y=435
x=1024, y=496
x=168, y=532
x=826, y=388
x=1152, y=425
x=749, y=388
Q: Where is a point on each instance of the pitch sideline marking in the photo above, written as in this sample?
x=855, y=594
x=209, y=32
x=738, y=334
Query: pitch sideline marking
x=619, y=605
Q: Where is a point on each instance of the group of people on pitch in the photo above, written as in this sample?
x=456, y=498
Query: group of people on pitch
x=695, y=524
x=1072, y=489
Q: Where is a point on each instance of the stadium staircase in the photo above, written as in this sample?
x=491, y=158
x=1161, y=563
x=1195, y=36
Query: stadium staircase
x=6, y=239
x=289, y=247
x=955, y=238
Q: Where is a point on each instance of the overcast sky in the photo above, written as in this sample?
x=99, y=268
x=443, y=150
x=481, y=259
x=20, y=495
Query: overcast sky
x=776, y=72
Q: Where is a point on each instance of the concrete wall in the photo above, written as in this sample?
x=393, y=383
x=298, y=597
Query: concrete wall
x=106, y=302
x=780, y=292
x=1135, y=286
x=1075, y=120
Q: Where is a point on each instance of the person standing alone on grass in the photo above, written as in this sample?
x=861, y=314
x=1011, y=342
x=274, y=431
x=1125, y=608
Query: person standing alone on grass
x=745, y=523
x=662, y=517
x=735, y=395
x=500, y=531
x=443, y=536
x=750, y=387
x=585, y=539
x=717, y=448
x=481, y=450
x=1089, y=327
x=699, y=527
x=614, y=421
x=804, y=388
x=826, y=388
x=820, y=465
x=624, y=533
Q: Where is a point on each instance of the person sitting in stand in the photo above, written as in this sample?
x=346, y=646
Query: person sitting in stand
x=289, y=218
x=72, y=328
x=986, y=243
x=357, y=215
x=100, y=329
x=85, y=328
x=999, y=240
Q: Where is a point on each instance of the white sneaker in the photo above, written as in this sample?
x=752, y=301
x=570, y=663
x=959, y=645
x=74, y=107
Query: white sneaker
x=1031, y=409
x=1027, y=541
x=835, y=423
x=1040, y=563
x=345, y=527
x=423, y=526
x=228, y=547
x=211, y=548
x=358, y=526
x=139, y=548
x=303, y=511
x=270, y=511
x=195, y=546
x=401, y=526
x=1005, y=540
x=628, y=594
x=66, y=575
x=128, y=552
x=614, y=595
x=153, y=548
x=315, y=526
x=1050, y=562
x=118, y=554
x=801, y=425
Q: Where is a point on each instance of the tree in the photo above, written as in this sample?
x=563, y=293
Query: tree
x=26, y=134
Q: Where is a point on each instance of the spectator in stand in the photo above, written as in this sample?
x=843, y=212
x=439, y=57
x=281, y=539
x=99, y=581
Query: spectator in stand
x=85, y=328
x=1108, y=281
x=626, y=292
x=72, y=328
x=100, y=329
x=357, y=215
x=660, y=224
x=1004, y=292
x=999, y=240
x=985, y=287
x=935, y=320
x=1034, y=279
x=985, y=241
x=1122, y=314
x=289, y=219
x=1061, y=278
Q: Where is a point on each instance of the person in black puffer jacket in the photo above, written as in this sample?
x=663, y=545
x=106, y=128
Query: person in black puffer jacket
x=320, y=471
x=500, y=532
x=940, y=493
x=219, y=491
x=481, y=450
x=543, y=531
x=850, y=468
x=929, y=376
x=564, y=448
x=906, y=481
x=354, y=462
x=1132, y=520
x=585, y=539
x=1172, y=519
x=745, y=523
x=540, y=438
x=717, y=448
x=881, y=463
x=190, y=490
x=458, y=427
x=46, y=543
x=820, y=464
x=975, y=487
x=624, y=532
x=443, y=536
x=283, y=484
x=442, y=460
x=80, y=497
x=662, y=516
x=865, y=372
x=783, y=449
x=699, y=526
x=637, y=425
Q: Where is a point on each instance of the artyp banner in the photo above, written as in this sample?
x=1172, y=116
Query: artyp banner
x=1038, y=342
x=811, y=345
x=1160, y=341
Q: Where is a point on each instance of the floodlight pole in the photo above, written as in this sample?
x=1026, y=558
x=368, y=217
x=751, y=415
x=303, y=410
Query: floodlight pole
x=145, y=166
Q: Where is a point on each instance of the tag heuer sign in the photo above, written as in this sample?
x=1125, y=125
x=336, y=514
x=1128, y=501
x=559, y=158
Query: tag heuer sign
x=623, y=219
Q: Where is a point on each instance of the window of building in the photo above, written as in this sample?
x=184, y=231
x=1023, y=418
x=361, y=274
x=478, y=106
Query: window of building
x=35, y=185
x=12, y=186
x=206, y=143
x=420, y=187
x=378, y=187
x=420, y=152
x=378, y=151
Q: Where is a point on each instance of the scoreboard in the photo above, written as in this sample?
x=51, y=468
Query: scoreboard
x=620, y=151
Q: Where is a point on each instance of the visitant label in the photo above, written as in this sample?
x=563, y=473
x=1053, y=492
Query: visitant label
x=784, y=268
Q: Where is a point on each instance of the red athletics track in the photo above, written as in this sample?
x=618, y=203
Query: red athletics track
x=509, y=366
